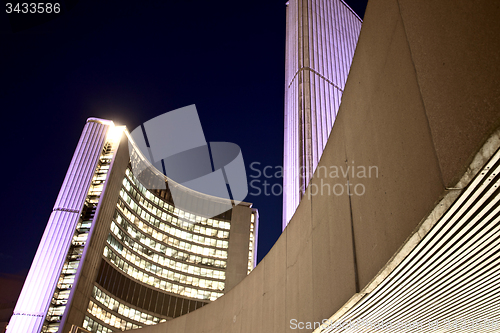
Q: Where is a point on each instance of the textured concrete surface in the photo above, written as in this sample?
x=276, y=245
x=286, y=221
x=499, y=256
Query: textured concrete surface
x=237, y=257
x=387, y=128
x=421, y=98
x=454, y=48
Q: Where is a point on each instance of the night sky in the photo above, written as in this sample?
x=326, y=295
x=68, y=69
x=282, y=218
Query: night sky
x=129, y=61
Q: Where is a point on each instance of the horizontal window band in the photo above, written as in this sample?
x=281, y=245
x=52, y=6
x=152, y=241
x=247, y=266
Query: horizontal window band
x=139, y=295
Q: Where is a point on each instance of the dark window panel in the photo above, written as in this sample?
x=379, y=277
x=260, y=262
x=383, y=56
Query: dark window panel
x=178, y=307
x=147, y=299
x=185, y=306
x=154, y=300
x=192, y=306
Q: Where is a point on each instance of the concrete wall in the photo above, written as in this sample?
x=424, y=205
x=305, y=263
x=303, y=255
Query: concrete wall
x=237, y=256
x=422, y=97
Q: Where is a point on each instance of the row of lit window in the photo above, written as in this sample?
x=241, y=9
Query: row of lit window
x=132, y=196
x=132, y=249
x=109, y=318
x=155, y=221
x=100, y=176
x=124, y=310
x=160, y=283
x=178, y=212
x=152, y=218
x=170, y=231
x=162, y=239
x=80, y=239
x=51, y=328
x=251, y=247
x=93, y=326
x=165, y=273
x=154, y=252
x=67, y=277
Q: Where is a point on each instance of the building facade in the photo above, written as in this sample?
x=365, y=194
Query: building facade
x=321, y=36
x=419, y=251
x=116, y=255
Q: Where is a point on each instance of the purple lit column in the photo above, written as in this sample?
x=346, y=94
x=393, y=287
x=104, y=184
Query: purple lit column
x=38, y=289
x=321, y=37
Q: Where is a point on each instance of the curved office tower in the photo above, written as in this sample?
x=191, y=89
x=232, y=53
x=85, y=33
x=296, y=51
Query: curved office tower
x=321, y=36
x=116, y=255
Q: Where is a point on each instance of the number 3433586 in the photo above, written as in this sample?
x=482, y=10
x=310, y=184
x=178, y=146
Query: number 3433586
x=32, y=8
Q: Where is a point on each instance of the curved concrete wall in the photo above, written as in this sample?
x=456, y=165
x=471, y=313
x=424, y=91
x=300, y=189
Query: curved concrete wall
x=422, y=97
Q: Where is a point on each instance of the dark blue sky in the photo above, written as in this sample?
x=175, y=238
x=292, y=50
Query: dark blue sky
x=130, y=61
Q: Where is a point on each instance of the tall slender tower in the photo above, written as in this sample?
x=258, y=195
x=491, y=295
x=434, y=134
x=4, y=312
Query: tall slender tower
x=321, y=36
